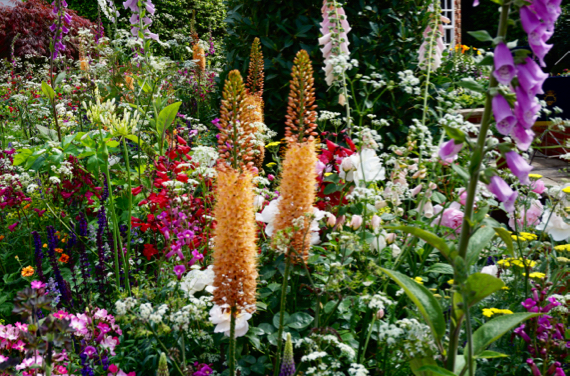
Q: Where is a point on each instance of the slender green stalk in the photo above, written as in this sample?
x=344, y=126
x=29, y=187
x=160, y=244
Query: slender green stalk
x=361, y=358
x=281, y=314
x=130, y=195
x=232, y=349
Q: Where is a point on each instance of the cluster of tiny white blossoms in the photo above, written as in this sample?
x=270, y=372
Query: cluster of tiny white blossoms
x=409, y=335
x=409, y=83
x=357, y=370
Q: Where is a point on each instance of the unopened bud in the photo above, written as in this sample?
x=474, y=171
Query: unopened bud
x=355, y=222
x=380, y=204
x=375, y=222
x=390, y=238
x=379, y=314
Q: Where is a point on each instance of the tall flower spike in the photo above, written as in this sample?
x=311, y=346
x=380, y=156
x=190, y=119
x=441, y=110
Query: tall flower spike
x=199, y=58
x=334, y=41
x=256, y=75
x=236, y=133
x=235, y=250
x=162, y=366
x=253, y=114
x=288, y=363
x=301, y=115
x=298, y=182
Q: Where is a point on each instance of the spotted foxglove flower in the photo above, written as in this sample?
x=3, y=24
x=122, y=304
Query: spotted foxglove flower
x=58, y=28
x=432, y=54
x=140, y=23
x=518, y=166
x=334, y=41
x=503, y=192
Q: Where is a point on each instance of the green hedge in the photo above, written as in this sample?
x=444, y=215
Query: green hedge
x=385, y=38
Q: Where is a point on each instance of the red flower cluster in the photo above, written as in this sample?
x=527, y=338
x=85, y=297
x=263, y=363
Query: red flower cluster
x=79, y=186
x=329, y=162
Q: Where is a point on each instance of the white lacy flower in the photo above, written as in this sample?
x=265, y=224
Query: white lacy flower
x=362, y=168
x=554, y=226
x=196, y=280
x=222, y=320
x=270, y=212
x=377, y=243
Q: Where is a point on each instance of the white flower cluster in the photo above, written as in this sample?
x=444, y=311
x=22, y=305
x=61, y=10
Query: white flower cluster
x=205, y=156
x=197, y=280
x=380, y=301
x=196, y=311
x=357, y=370
x=409, y=83
x=412, y=337
x=147, y=313
x=122, y=306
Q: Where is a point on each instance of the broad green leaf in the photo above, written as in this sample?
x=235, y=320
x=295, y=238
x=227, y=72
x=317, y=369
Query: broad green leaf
x=428, y=237
x=418, y=366
x=488, y=354
x=276, y=319
x=506, y=237
x=481, y=35
x=479, y=240
x=461, y=172
x=436, y=370
x=48, y=91
x=59, y=79
x=299, y=320
x=441, y=269
x=133, y=138
x=424, y=300
x=496, y=328
x=22, y=156
x=471, y=84
x=166, y=117
x=112, y=143
x=47, y=133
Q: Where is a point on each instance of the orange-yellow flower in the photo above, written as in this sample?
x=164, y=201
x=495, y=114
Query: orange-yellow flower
x=1, y=237
x=26, y=207
x=59, y=250
x=28, y=271
x=64, y=258
x=235, y=251
x=199, y=58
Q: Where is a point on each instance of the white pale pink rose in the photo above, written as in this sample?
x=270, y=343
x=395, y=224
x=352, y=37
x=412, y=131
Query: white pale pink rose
x=222, y=319
x=555, y=226
x=452, y=217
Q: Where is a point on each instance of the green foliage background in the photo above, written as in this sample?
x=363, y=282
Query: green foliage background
x=172, y=16
x=385, y=38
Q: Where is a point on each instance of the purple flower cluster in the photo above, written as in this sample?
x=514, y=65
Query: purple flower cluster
x=139, y=22
x=544, y=335
x=52, y=244
x=39, y=255
x=176, y=229
x=58, y=28
x=538, y=21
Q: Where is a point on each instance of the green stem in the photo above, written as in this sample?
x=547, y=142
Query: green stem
x=476, y=160
x=130, y=195
x=367, y=338
x=281, y=314
x=232, y=349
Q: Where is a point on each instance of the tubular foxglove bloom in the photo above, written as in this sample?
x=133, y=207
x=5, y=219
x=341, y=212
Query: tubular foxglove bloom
x=58, y=28
x=503, y=115
x=519, y=167
x=531, y=77
x=522, y=136
x=503, y=192
x=526, y=108
x=140, y=23
x=504, y=64
x=438, y=46
x=448, y=151
x=334, y=41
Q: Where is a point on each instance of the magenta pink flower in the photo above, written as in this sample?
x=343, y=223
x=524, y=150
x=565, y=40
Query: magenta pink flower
x=527, y=217
x=179, y=271
x=526, y=108
x=13, y=226
x=36, y=285
x=504, y=64
x=452, y=217
x=503, y=192
x=522, y=136
x=531, y=77
x=503, y=115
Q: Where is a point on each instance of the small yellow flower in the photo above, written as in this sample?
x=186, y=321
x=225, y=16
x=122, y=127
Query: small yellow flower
x=505, y=288
x=528, y=236
x=44, y=246
x=328, y=173
x=271, y=164
x=562, y=247
x=487, y=312
x=28, y=271
x=536, y=275
x=451, y=282
x=563, y=260
x=432, y=289
x=271, y=144
x=437, y=295
x=534, y=176
x=419, y=280
x=566, y=190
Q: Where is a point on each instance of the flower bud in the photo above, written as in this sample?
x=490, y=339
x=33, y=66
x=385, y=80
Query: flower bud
x=346, y=164
x=355, y=222
x=379, y=314
x=331, y=220
x=270, y=177
x=390, y=238
x=416, y=190
x=380, y=204
x=375, y=222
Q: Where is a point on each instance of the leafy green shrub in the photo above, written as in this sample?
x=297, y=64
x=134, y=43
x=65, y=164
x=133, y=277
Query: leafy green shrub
x=384, y=39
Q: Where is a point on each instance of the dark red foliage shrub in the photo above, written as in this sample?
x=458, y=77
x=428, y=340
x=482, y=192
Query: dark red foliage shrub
x=31, y=21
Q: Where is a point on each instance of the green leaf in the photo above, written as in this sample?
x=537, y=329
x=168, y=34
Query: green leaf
x=276, y=319
x=440, y=269
x=330, y=188
x=488, y=354
x=59, y=79
x=299, y=320
x=418, y=365
x=506, y=237
x=496, y=328
x=424, y=300
x=481, y=285
x=436, y=370
x=48, y=91
x=166, y=117
x=481, y=35
x=133, y=138
x=428, y=237
x=438, y=198
x=479, y=240
x=22, y=156
x=112, y=143
x=461, y=172
x=455, y=134
x=471, y=84
x=50, y=134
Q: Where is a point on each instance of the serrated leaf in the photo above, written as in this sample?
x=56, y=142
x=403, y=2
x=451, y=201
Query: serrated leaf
x=22, y=156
